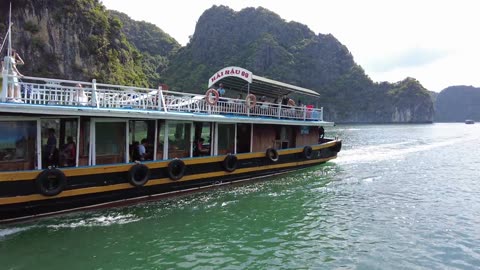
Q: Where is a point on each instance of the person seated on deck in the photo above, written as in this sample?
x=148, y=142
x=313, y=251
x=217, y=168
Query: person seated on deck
x=264, y=105
x=69, y=153
x=200, y=150
x=134, y=154
x=142, y=150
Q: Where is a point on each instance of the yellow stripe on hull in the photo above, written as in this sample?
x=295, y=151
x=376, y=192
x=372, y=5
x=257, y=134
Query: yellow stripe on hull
x=153, y=182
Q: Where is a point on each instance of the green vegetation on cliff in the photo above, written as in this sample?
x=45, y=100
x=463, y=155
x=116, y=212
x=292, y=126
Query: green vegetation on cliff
x=73, y=40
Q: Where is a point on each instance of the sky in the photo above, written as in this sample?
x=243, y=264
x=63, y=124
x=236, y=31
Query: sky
x=435, y=42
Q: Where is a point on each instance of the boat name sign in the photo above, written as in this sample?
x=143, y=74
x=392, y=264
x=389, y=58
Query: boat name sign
x=231, y=72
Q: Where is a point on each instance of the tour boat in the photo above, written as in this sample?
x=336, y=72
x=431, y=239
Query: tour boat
x=469, y=122
x=70, y=145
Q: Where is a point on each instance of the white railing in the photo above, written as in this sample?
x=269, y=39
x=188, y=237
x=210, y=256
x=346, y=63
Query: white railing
x=43, y=91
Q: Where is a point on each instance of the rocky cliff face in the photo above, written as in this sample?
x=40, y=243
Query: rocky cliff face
x=72, y=40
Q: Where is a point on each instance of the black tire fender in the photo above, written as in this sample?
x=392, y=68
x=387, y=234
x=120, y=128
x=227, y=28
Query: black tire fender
x=51, y=182
x=307, y=152
x=272, y=154
x=230, y=163
x=176, y=169
x=138, y=175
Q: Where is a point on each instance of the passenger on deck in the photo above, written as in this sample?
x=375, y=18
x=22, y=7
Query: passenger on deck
x=13, y=92
x=142, y=150
x=51, y=151
x=200, y=149
x=221, y=90
x=285, y=100
x=263, y=100
x=80, y=98
x=321, y=132
x=69, y=153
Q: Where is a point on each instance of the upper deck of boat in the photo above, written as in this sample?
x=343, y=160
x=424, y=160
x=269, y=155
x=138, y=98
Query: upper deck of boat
x=65, y=97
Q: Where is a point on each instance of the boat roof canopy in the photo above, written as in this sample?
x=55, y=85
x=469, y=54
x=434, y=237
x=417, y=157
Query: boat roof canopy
x=242, y=80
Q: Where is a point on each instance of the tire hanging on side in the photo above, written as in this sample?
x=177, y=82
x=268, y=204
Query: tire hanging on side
x=176, y=169
x=230, y=163
x=51, y=182
x=272, y=154
x=138, y=175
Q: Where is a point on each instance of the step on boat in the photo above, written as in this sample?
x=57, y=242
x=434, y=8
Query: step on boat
x=70, y=145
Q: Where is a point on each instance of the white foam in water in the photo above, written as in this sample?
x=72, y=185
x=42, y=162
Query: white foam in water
x=10, y=231
x=105, y=220
x=388, y=151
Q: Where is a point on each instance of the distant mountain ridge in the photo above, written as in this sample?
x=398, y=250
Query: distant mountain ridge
x=458, y=103
x=259, y=40
x=81, y=40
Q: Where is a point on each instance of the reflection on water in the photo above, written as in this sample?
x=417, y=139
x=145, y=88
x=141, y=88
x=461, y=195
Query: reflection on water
x=398, y=196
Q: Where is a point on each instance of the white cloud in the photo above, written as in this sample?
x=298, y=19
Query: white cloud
x=438, y=39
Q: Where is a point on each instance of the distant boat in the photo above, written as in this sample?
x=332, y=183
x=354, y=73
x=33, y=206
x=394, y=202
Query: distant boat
x=469, y=122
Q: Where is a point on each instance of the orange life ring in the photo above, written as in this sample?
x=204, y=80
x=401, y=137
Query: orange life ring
x=250, y=100
x=208, y=96
x=291, y=102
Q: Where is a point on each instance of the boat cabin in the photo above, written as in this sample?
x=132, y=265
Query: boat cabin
x=65, y=123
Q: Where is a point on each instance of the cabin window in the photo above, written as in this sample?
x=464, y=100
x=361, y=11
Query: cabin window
x=17, y=145
x=178, y=139
x=202, y=139
x=226, y=139
x=110, y=142
x=141, y=137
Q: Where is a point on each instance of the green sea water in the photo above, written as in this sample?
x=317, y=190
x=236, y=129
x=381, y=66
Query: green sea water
x=397, y=197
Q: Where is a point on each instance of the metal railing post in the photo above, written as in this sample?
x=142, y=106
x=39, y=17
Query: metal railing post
x=94, y=94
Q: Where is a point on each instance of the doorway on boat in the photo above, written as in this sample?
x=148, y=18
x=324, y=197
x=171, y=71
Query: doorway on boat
x=202, y=139
x=110, y=141
x=284, y=137
x=141, y=140
x=244, y=135
x=179, y=139
x=18, y=145
x=59, y=137
x=226, y=139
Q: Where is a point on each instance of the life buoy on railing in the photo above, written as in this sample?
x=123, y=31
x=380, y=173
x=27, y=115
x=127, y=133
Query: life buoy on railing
x=51, y=182
x=176, y=169
x=230, y=163
x=138, y=175
x=212, y=93
x=272, y=154
x=250, y=100
x=307, y=152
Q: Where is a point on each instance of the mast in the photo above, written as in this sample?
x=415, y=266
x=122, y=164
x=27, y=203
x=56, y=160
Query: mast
x=7, y=60
x=9, y=49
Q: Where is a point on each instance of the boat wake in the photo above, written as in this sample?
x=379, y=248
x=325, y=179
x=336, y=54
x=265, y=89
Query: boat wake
x=391, y=151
